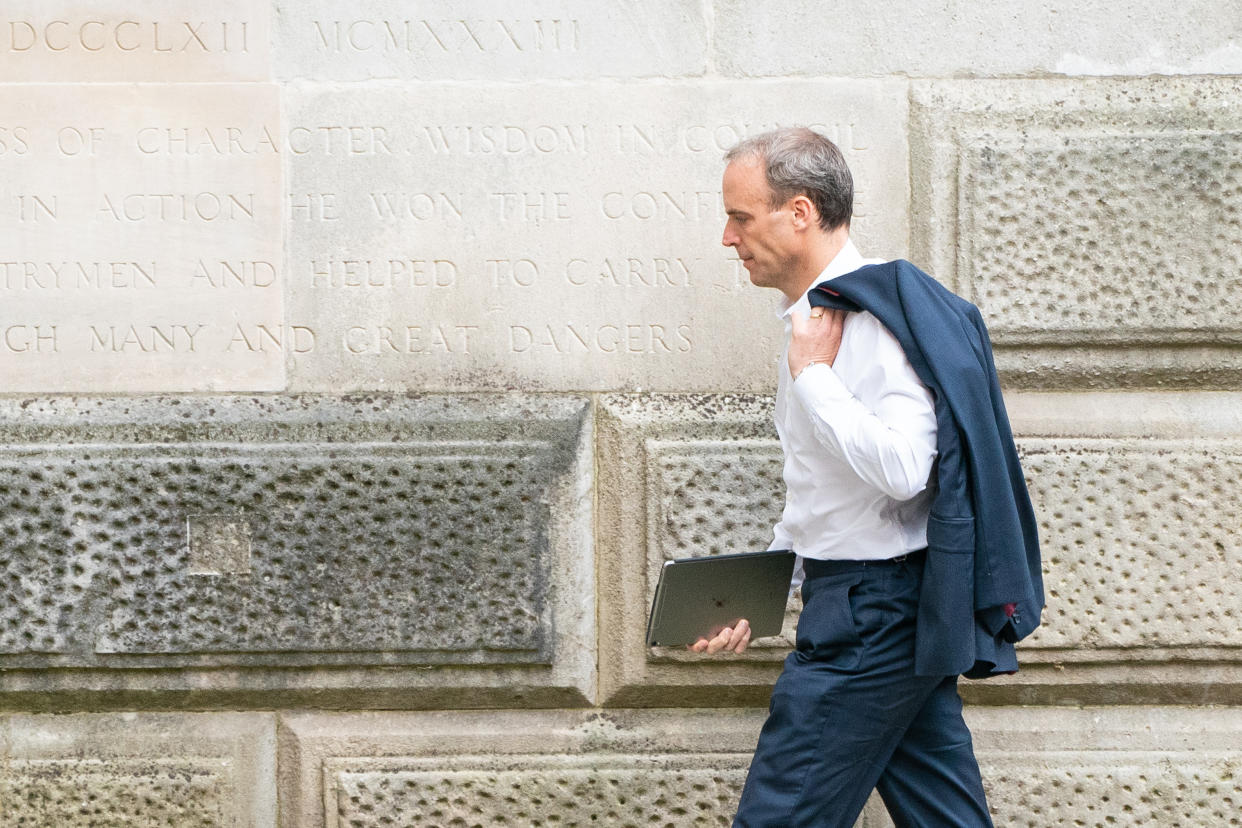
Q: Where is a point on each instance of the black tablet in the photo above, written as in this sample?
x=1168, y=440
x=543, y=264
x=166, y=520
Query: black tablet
x=698, y=597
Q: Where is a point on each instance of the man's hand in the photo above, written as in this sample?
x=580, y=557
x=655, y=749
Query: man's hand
x=816, y=339
x=731, y=640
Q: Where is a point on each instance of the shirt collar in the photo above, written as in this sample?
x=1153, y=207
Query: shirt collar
x=847, y=260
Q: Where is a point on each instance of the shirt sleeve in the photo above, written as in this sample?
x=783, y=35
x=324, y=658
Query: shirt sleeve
x=889, y=442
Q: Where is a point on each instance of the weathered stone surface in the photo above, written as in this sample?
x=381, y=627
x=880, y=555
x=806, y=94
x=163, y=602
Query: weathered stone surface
x=1137, y=522
x=120, y=40
x=682, y=768
x=138, y=770
x=564, y=238
x=1104, y=766
x=1141, y=542
x=1132, y=492
x=490, y=40
x=1094, y=222
x=681, y=476
x=143, y=243
x=1095, y=766
x=919, y=39
x=296, y=531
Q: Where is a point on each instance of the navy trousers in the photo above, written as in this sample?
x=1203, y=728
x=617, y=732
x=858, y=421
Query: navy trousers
x=848, y=714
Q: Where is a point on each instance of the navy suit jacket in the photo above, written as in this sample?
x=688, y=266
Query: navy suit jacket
x=982, y=585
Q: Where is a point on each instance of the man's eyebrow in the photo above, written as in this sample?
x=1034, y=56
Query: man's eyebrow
x=737, y=213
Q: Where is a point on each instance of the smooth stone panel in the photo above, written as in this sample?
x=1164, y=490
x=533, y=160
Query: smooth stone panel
x=626, y=767
x=191, y=770
x=1095, y=223
x=295, y=532
x=120, y=40
x=143, y=238
x=919, y=39
x=550, y=237
x=682, y=476
x=490, y=40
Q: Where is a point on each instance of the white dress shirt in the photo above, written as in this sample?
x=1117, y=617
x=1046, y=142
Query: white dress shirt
x=859, y=438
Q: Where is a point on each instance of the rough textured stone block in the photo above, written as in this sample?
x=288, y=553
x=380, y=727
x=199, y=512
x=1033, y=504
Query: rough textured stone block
x=1094, y=766
x=683, y=768
x=120, y=40
x=1134, y=497
x=567, y=237
x=295, y=531
x=1095, y=223
x=143, y=238
x=1138, y=529
x=138, y=770
x=490, y=40
x=681, y=476
x=1141, y=542
x=1110, y=766
x=857, y=38
x=1105, y=766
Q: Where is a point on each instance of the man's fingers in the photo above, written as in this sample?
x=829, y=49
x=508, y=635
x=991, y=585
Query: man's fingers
x=731, y=640
x=740, y=636
x=720, y=642
x=741, y=647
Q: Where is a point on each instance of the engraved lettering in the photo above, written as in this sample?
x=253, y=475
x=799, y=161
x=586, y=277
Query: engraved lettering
x=409, y=339
x=333, y=139
x=632, y=272
x=698, y=205
x=15, y=140
x=508, y=139
x=386, y=273
x=145, y=339
x=313, y=206
x=522, y=272
x=166, y=36
x=532, y=207
x=73, y=141
x=73, y=275
x=178, y=206
x=419, y=206
x=221, y=274
x=298, y=339
x=650, y=139
x=31, y=339
x=445, y=36
x=584, y=338
x=202, y=140
x=30, y=207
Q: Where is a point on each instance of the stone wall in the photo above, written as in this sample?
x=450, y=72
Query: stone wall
x=361, y=363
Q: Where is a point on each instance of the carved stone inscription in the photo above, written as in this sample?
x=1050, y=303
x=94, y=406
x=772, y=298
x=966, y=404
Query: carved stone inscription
x=121, y=40
x=490, y=40
x=563, y=238
x=143, y=250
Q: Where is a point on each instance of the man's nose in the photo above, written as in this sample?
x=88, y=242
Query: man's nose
x=729, y=239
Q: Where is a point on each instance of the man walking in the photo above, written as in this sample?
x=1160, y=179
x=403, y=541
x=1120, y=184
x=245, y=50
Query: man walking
x=875, y=449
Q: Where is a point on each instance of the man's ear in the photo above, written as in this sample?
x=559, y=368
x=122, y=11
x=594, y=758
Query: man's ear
x=804, y=212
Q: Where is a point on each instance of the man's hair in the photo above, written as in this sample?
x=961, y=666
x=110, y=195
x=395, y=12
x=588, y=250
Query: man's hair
x=800, y=161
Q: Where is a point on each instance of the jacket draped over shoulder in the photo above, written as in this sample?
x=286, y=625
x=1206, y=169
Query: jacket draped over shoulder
x=982, y=583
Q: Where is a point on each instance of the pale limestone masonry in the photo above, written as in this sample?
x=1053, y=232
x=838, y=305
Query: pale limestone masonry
x=361, y=363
